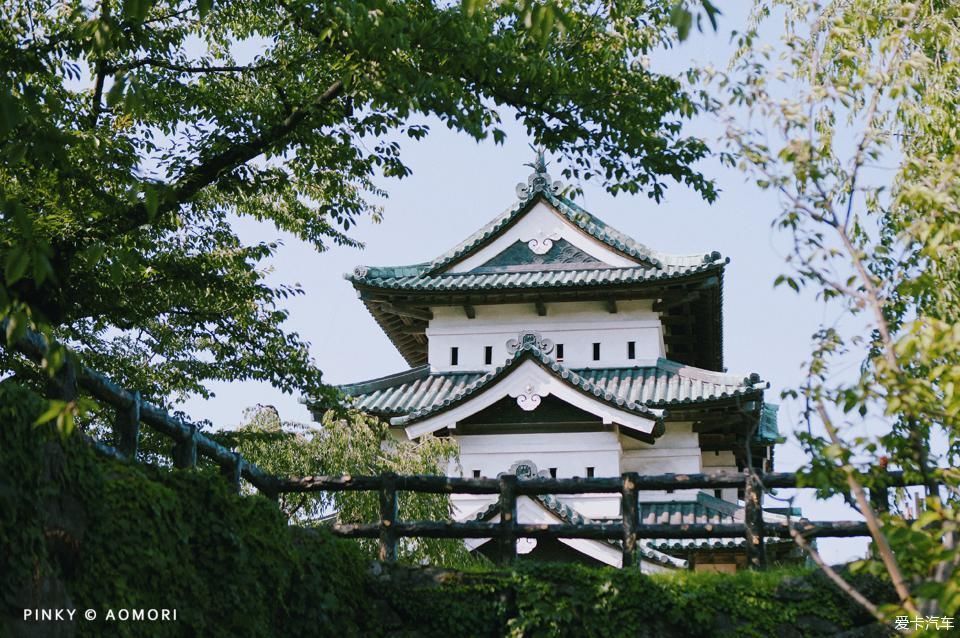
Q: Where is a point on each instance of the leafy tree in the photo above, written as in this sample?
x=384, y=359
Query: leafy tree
x=858, y=135
x=351, y=444
x=134, y=133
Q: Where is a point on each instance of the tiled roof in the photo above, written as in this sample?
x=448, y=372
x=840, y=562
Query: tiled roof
x=581, y=277
x=433, y=403
x=569, y=515
x=661, y=386
x=655, y=266
x=705, y=510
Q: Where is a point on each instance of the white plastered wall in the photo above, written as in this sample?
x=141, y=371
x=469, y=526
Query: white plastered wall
x=570, y=452
x=577, y=325
x=676, y=452
x=724, y=460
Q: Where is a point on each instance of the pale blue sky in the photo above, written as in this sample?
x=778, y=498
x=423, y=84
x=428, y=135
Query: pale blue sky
x=458, y=185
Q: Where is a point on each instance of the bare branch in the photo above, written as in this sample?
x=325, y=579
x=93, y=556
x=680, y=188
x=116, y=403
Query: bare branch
x=873, y=523
x=831, y=573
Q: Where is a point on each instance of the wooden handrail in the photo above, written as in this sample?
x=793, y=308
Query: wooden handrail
x=189, y=442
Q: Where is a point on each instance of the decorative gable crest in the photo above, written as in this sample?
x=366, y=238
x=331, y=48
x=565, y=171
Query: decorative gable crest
x=539, y=180
x=529, y=339
x=525, y=469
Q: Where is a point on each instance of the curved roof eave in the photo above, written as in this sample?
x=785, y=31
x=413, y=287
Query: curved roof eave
x=530, y=352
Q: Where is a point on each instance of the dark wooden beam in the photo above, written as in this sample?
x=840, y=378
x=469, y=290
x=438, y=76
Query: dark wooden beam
x=677, y=320
x=406, y=311
x=541, y=308
x=671, y=301
x=612, y=305
x=470, y=311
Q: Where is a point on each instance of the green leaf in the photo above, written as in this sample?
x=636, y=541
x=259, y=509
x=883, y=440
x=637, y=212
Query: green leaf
x=151, y=201
x=682, y=19
x=54, y=410
x=17, y=263
x=115, y=94
x=204, y=7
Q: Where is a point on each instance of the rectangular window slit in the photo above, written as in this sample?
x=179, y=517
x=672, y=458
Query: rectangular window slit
x=631, y=350
x=590, y=471
x=596, y=352
x=559, y=352
x=476, y=474
x=553, y=472
x=487, y=355
x=454, y=356
x=718, y=493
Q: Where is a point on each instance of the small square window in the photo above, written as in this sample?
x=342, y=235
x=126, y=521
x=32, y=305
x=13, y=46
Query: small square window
x=590, y=472
x=487, y=355
x=454, y=356
x=476, y=474
x=631, y=350
x=553, y=472
x=718, y=493
x=596, y=352
x=559, y=352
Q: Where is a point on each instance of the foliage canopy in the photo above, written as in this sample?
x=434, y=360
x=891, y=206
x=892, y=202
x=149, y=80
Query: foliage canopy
x=858, y=136
x=135, y=133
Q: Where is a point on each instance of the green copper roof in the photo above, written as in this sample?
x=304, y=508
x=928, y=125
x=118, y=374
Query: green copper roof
x=392, y=278
x=526, y=350
x=705, y=510
x=769, y=431
x=651, y=265
x=663, y=385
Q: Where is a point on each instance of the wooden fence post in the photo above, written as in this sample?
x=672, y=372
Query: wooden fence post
x=234, y=472
x=880, y=495
x=508, y=518
x=126, y=428
x=185, y=451
x=64, y=383
x=753, y=521
x=388, y=518
x=631, y=518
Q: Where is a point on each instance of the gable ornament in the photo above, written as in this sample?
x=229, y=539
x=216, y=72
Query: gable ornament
x=529, y=339
x=539, y=180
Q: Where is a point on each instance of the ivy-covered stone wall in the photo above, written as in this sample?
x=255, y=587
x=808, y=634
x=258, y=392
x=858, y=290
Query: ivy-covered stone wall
x=79, y=532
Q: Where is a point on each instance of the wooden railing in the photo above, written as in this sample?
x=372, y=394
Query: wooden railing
x=629, y=530
x=189, y=442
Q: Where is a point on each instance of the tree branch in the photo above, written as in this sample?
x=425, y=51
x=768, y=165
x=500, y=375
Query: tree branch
x=182, y=68
x=873, y=524
x=101, y=73
x=831, y=573
x=207, y=171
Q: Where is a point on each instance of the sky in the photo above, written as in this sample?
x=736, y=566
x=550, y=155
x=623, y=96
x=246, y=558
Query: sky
x=458, y=185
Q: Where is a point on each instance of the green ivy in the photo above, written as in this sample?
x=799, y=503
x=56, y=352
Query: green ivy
x=113, y=535
x=142, y=537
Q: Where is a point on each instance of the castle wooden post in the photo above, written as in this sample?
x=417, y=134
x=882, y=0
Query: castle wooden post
x=185, y=451
x=126, y=428
x=508, y=518
x=880, y=495
x=64, y=383
x=388, y=518
x=753, y=521
x=234, y=471
x=631, y=518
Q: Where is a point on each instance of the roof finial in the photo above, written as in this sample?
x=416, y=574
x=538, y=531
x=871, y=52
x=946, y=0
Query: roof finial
x=539, y=180
x=539, y=164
